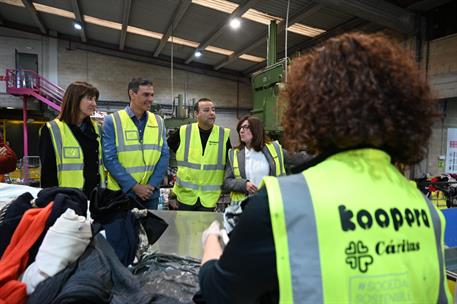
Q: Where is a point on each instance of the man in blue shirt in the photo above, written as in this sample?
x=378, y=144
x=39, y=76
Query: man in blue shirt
x=135, y=150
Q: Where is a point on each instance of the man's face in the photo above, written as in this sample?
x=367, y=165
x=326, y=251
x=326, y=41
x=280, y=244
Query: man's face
x=142, y=100
x=206, y=114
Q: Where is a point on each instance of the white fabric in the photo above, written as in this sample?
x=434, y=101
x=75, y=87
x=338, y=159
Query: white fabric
x=256, y=166
x=32, y=276
x=9, y=192
x=63, y=244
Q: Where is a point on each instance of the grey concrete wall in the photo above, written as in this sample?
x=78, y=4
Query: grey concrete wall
x=442, y=75
x=44, y=47
x=442, y=66
x=438, y=141
x=111, y=76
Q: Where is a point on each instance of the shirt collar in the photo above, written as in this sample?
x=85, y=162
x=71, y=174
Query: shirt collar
x=132, y=114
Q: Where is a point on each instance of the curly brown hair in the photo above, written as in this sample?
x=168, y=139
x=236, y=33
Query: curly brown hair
x=355, y=91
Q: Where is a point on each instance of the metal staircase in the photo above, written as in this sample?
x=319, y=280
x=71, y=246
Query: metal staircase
x=29, y=83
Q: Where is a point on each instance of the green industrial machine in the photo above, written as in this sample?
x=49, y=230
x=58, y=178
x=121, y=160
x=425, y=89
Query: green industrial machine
x=181, y=114
x=266, y=86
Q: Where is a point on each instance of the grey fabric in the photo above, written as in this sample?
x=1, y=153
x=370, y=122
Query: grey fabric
x=295, y=159
x=304, y=256
x=232, y=216
x=230, y=182
x=170, y=275
x=97, y=277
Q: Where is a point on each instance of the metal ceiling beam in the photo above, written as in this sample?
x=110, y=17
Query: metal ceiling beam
x=306, y=12
x=377, y=11
x=125, y=22
x=79, y=19
x=178, y=14
x=142, y=56
x=238, y=12
x=36, y=18
x=350, y=25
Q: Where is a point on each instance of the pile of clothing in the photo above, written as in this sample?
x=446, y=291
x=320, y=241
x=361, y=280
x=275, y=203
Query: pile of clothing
x=441, y=190
x=171, y=275
x=51, y=253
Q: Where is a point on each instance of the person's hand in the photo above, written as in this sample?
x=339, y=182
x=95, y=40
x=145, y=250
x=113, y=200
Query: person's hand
x=250, y=187
x=144, y=192
x=3, y=151
x=213, y=229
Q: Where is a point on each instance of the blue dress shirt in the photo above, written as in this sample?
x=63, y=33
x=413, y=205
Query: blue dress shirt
x=112, y=164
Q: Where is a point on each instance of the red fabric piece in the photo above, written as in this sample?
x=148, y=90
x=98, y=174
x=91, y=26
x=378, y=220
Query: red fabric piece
x=14, y=260
x=433, y=180
x=7, y=161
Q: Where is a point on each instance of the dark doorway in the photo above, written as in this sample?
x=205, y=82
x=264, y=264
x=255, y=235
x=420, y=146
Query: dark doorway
x=25, y=61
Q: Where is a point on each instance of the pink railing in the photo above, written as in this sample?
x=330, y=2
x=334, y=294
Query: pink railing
x=27, y=82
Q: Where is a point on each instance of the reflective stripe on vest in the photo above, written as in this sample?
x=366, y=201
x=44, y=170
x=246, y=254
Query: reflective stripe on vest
x=382, y=243
x=278, y=156
x=69, y=155
x=276, y=153
x=139, y=158
x=200, y=176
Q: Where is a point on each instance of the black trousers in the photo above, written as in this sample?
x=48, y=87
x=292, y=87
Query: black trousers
x=196, y=207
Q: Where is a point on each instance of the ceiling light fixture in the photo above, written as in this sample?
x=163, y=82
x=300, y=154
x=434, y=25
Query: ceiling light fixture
x=229, y=7
x=220, y=5
x=235, y=23
x=198, y=53
x=77, y=26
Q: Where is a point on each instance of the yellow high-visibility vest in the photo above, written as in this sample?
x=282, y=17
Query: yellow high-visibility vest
x=275, y=150
x=353, y=229
x=200, y=176
x=139, y=158
x=69, y=155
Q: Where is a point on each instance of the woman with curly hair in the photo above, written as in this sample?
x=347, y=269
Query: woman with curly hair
x=350, y=227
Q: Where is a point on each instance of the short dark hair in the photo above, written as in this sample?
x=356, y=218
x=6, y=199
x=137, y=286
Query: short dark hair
x=196, y=109
x=356, y=91
x=259, y=138
x=75, y=92
x=135, y=84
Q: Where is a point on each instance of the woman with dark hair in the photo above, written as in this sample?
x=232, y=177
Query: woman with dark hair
x=350, y=227
x=255, y=157
x=70, y=149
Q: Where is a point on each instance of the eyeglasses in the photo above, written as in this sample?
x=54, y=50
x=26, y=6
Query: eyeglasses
x=245, y=128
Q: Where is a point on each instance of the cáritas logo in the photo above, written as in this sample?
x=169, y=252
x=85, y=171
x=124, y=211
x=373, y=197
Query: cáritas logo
x=358, y=257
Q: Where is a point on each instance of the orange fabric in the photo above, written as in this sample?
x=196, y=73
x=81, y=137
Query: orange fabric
x=14, y=260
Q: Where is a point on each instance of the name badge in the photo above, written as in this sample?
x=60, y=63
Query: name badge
x=71, y=152
x=131, y=135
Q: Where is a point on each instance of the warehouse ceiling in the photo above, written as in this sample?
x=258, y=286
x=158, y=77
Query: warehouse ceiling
x=162, y=31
